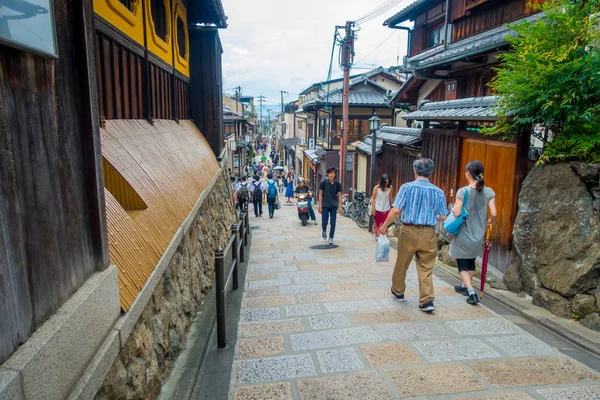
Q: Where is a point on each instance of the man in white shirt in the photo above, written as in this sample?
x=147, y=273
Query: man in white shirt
x=256, y=194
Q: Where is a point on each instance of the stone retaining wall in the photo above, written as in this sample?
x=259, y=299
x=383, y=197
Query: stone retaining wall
x=146, y=358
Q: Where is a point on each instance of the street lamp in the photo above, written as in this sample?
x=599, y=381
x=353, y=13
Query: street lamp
x=374, y=122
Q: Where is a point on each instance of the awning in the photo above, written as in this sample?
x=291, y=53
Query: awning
x=470, y=109
x=312, y=154
x=399, y=136
x=291, y=143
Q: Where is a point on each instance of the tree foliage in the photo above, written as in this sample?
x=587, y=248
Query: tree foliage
x=552, y=77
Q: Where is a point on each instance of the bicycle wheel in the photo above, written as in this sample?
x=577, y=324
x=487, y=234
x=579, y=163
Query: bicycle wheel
x=352, y=211
x=362, y=218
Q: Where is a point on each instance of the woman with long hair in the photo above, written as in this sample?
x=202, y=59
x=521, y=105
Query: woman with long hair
x=466, y=246
x=289, y=192
x=381, y=202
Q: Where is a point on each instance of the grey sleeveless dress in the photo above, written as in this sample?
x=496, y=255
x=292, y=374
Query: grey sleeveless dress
x=467, y=244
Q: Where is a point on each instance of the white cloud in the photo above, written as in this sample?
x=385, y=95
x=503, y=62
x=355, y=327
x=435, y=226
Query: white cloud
x=274, y=45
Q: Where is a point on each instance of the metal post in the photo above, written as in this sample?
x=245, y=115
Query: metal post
x=220, y=281
x=236, y=254
x=241, y=229
x=246, y=228
x=372, y=175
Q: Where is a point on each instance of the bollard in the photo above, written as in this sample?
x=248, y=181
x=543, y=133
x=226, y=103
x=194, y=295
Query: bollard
x=246, y=228
x=220, y=290
x=236, y=254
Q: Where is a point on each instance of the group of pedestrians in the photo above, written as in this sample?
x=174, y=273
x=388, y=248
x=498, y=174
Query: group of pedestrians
x=421, y=206
x=256, y=193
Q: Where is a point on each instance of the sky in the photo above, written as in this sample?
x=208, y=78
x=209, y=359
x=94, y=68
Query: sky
x=273, y=45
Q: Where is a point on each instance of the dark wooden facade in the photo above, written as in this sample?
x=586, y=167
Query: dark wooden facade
x=52, y=225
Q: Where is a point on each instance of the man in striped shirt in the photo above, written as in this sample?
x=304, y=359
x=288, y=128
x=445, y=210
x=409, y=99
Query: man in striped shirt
x=422, y=205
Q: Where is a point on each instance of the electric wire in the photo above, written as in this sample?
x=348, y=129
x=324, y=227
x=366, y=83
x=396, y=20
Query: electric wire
x=385, y=7
x=378, y=46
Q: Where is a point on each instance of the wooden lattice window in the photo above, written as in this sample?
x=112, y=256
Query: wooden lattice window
x=158, y=11
x=181, y=38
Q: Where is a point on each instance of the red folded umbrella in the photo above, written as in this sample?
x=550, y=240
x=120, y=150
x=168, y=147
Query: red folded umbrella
x=487, y=246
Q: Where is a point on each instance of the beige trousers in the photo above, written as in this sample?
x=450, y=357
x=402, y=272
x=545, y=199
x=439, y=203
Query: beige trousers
x=420, y=243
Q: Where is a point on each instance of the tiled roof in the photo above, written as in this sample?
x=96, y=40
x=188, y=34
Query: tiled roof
x=405, y=13
x=470, y=46
x=356, y=98
x=471, y=109
x=397, y=135
x=291, y=143
x=367, y=144
x=312, y=154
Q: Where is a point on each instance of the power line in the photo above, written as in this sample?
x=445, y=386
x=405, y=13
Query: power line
x=377, y=11
x=372, y=51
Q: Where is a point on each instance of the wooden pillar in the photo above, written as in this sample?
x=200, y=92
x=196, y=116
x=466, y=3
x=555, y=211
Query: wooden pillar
x=206, y=81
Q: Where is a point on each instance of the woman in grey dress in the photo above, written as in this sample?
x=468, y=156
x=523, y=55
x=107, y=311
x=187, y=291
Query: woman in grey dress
x=466, y=246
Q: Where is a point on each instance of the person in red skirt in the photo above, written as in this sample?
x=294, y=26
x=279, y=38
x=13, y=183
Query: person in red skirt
x=381, y=202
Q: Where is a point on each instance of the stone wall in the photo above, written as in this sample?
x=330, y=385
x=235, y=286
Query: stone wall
x=146, y=359
x=557, y=241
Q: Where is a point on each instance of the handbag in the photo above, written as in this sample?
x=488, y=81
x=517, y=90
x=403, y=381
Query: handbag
x=452, y=224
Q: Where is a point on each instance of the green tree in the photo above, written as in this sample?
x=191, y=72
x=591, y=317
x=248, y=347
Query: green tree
x=551, y=76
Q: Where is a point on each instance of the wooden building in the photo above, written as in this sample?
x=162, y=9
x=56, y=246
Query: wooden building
x=453, y=48
x=143, y=78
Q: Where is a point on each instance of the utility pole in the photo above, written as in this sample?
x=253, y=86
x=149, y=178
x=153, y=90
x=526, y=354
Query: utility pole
x=269, y=123
x=238, y=92
x=261, y=100
x=347, y=58
x=282, y=93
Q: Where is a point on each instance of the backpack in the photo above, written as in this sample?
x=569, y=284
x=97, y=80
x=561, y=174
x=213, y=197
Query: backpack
x=257, y=193
x=272, y=191
x=244, y=193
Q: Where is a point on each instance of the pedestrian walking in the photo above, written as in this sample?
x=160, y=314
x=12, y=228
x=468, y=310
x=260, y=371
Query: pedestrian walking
x=330, y=200
x=421, y=206
x=381, y=202
x=247, y=170
x=263, y=159
x=231, y=178
x=304, y=188
x=257, y=193
x=242, y=193
x=289, y=184
x=466, y=246
x=280, y=182
x=271, y=194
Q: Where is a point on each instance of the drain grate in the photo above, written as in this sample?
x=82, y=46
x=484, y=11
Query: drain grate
x=324, y=247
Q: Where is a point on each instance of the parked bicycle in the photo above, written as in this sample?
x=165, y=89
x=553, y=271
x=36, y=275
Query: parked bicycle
x=361, y=212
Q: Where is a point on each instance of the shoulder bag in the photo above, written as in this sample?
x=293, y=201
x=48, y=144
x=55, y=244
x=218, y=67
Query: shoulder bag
x=452, y=224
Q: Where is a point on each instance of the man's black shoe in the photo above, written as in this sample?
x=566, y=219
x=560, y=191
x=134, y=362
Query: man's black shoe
x=427, y=307
x=462, y=290
x=473, y=299
x=398, y=297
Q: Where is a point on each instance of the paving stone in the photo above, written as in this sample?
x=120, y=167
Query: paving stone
x=266, y=264
x=272, y=327
x=272, y=291
x=347, y=306
x=455, y=350
x=491, y=326
x=452, y=301
x=523, y=345
x=271, y=301
x=265, y=269
x=571, y=393
x=499, y=396
x=276, y=391
x=431, y=380
x=329, y=322
x=532, y=372
x=295, y=274
x=269, y=283
x=339, y=260
x=380, y=317
x=302, y=309
x=261, y=314
x=329, y=296
x=339, y=272
x=378, y=293
x=276, y=368
x=346, y=286
x=382, y=355
x=342, y=360
x=263, y=256
x=252, y=348
x=386, y=284
x=333, y=338
x=390, y=302
x=315, y=279
x=411, y=331
x=456, y=313
x=363, y=385
x=300, y=289
x=259, y=277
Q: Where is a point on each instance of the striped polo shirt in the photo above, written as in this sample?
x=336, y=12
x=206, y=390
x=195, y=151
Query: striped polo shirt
x=421, y=202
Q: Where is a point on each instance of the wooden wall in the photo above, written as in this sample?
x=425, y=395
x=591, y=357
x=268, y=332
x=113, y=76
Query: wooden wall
x=395, y=161
x=443, y=147
x=52, y=229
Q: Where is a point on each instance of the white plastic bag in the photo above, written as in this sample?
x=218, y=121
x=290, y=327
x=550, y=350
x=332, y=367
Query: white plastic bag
x=382, y=253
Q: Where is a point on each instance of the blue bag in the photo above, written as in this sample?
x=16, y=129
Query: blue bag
x=382, y=252
x=452, y=224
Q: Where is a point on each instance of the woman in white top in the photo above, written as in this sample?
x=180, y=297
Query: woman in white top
x=381, y=202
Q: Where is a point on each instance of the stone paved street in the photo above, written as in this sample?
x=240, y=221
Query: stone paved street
x=320, y=323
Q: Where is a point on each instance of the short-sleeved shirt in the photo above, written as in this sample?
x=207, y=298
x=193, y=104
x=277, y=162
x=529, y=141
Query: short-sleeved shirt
x=421, y=202
x=238, y=187
x=330, y=193
x=303, y=189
